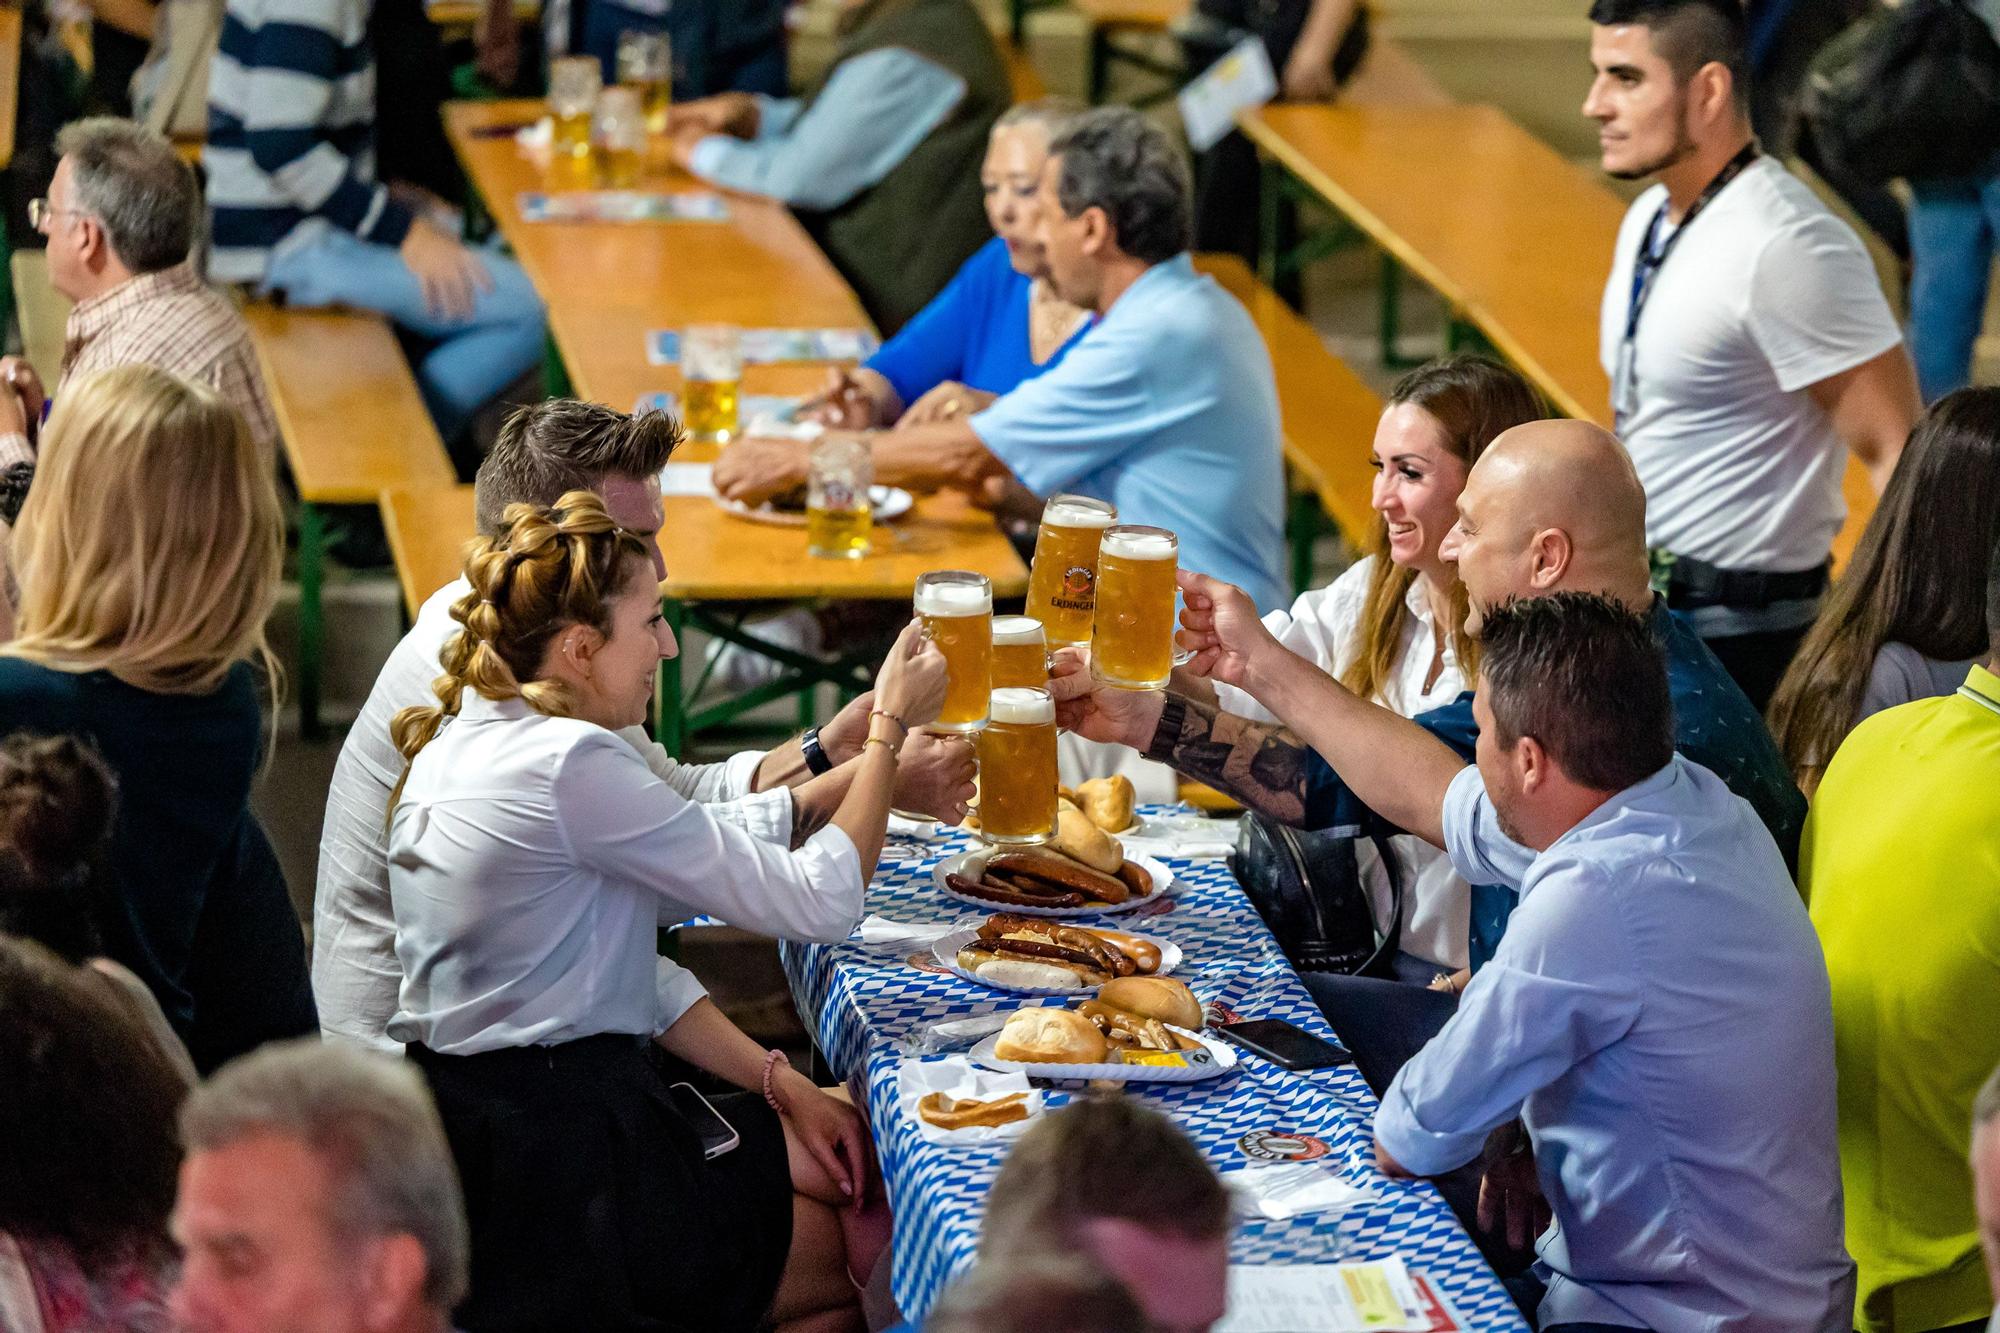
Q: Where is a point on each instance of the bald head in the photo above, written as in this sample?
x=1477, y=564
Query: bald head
x=1551, y=506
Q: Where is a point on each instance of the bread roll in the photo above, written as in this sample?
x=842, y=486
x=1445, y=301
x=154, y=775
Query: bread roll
x=1107, y=802
x=1051, y=1036
x=1164, y=998
x=1076, y=836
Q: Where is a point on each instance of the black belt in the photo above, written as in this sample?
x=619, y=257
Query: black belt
x=604, y=1050
x=1693, y=583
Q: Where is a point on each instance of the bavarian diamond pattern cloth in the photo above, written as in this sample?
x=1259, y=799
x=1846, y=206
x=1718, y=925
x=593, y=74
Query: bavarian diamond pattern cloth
x=864, y=1002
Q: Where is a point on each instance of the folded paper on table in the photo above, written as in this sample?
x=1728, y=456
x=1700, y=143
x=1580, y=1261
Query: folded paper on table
x=881, y=931
x=696, y=479
x=764, y=347
x=622, y=206
x=958, y=1079
x=1293, y=1189
x=1380, y=1296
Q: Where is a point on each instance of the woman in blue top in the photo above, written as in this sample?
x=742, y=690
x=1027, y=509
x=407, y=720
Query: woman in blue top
x=996, y=324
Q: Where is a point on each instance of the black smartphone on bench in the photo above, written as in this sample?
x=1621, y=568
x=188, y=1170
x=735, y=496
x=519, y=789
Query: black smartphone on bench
x=718, y=1136
x=1284, y=1044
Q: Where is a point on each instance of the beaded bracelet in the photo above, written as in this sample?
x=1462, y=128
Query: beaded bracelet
x=883, y=712
x=771, y=1060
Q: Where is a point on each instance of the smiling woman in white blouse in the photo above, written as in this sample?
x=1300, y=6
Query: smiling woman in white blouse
x=532, y=857
x=1392, y=627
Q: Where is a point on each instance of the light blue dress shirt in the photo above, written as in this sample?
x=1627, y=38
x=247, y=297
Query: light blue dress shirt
x=1167, y=409
x=1659, y=1017
x=872, y=113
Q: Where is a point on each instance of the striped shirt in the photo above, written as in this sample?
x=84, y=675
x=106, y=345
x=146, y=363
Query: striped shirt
x=291, y=124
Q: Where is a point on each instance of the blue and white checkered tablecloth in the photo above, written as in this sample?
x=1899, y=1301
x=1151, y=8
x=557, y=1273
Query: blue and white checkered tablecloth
x=863, y=1001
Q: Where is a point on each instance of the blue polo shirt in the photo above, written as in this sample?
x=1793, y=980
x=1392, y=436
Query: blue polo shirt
x=1166, y=408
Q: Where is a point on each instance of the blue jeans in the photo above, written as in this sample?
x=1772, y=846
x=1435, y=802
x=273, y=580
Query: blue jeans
x=472, y=360
x=1953, y=225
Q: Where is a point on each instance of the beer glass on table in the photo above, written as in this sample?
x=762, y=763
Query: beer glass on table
x=1132, y=641
x=957, y=610
x=1017, y=768
x=1020, y=653
x=839, y=517
x=646, y=65
x=1062, y=584
x=574, y=82
x=620, y=130
x=711, y=375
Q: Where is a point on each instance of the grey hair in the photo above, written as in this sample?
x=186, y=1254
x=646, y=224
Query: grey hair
x=1986, y=1106
x=133, y=182
x=372, y=1119
x=1047, y=114
x=1115, y=159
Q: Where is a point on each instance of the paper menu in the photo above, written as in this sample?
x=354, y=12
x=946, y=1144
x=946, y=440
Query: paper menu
x=1380, y=1296
x=1240, y=80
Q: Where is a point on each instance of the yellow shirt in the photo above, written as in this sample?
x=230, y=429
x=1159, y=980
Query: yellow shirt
x=1901, y=866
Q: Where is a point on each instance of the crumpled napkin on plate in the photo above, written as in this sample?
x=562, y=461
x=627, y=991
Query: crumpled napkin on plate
x=1189, y=837
x=958, y=1078
x=1291, y=1189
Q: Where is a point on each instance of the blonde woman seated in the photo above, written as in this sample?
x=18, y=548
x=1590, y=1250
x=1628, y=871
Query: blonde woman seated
x=532, y=854
x=1392, y=627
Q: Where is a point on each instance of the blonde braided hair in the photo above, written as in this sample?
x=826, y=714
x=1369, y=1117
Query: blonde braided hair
x=549, y=567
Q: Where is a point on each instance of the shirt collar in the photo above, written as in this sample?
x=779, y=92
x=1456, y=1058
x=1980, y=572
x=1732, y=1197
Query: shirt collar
x=1983, y=683
x=476, y=707
x=1163, y=275
x=1646, y=787
x=93, y=316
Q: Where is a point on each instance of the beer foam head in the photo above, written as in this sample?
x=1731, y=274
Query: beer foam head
x=1022, y=708
x=953, y=599
x=1139, y=544
x=1017, y=629
x=1077, y=511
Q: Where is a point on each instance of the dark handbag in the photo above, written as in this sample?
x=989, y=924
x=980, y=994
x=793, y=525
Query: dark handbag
x=1307, y=887
x=1910, y=91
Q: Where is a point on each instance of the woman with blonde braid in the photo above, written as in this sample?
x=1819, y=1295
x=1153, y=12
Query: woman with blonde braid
x=532, y=854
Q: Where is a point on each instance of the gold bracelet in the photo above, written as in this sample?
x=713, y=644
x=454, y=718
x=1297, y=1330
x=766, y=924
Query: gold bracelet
x=877, y=740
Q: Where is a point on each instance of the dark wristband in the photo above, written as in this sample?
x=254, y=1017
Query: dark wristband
x=1173, y=715
x=817, y=759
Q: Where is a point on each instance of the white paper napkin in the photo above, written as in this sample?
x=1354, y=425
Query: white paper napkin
x=688, y=479
x=882, y=931
x=957, y=1078
x=1190, y=837
x=1292, y=1189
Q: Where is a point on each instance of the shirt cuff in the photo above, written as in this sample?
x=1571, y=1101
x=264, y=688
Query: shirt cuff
x=14, y=448
x=675, y=991
x=739, y=773
x=1420, y=1151
x=1461, y=824
x=835, y=865
x=764, y=815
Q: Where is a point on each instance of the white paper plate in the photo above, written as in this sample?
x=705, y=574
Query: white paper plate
x=946, y=952
x=890, y=503
x=1163, y=882
x=1222, y=1060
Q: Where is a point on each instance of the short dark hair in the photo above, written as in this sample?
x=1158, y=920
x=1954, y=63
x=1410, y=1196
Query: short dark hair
x=1993, y=598
x=58, y=799
x=1101, y=1157
x=548, y=449
x=1115, y=159
x=133, y=182
x=1586, y=678
x=1688, y=34
x=1050, y=1292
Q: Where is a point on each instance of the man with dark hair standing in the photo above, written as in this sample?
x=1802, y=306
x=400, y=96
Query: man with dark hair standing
x=1745, y=333
x=1657, y=1014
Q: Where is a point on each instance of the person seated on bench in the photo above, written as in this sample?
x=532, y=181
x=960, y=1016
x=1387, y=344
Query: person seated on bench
x=532, y=858
x=882, y=159
x=780, y=796
x=295, y=208
x=1166, y=406
x=999, y=323
x=120, y=225
x=148, y=556
x=1043, y=1293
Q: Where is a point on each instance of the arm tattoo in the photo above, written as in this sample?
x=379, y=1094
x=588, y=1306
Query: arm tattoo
x=1260, y=764
x=808, y=818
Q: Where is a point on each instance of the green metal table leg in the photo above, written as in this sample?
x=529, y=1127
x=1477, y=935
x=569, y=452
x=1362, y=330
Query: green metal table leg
x=1100, y=65
x=670, y=708
x=555, y=375
x=1017, y=20
x=312, y=628
x=1303, y=531
x=1390, y=308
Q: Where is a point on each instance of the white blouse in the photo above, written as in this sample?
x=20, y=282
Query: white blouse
x=531, y=861
x=1324, y=626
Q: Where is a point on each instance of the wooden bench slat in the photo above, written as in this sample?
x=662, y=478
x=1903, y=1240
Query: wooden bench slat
x=427, y=531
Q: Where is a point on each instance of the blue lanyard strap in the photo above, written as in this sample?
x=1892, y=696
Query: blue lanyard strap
x=1646, y=265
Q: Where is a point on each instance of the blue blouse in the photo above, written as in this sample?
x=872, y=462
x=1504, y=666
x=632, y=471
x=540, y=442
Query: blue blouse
x=975, y=331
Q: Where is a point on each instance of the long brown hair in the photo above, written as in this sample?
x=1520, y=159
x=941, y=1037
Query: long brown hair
x=548, y=568
x=1918, y=577
x=1472, y=399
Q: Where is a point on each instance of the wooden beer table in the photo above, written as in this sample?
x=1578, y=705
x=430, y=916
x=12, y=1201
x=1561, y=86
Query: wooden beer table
x=606, y=285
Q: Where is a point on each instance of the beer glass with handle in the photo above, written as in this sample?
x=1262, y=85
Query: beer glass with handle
x=574, y=82
x=839, y=518
x=1062, y=583
x=711, y=374
x=1017, y=768
x=646, y=65
x=957, y=610
x=1132, y=641
x=1020, y=653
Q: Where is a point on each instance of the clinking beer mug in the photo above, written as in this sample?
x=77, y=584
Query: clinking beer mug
x=1062, y=586
x=957, y=610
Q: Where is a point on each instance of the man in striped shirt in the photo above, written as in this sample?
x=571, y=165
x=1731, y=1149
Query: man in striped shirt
x=296, y=208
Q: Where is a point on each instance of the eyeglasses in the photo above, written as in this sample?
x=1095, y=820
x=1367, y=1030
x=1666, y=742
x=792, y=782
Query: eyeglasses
x=40, y=213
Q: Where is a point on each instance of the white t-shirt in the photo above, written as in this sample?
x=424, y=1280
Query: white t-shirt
x=1767, y=294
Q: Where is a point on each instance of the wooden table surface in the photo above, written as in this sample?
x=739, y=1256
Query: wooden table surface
x=1144, y=15
x=10, y=78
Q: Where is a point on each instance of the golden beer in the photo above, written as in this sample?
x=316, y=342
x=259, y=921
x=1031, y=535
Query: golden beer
x=708, y=408
x=1020, y=653
x=1132, y=641
x=656, y=97
x=572, y=135
x=957, y=610
x=1017, y=768
x=574, y=83
x=839, y=519
x=621, y=167
x=1062, y=585
x=839, y=534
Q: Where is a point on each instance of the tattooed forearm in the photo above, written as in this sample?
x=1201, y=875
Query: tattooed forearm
x=810, y=814
x=1260, y=764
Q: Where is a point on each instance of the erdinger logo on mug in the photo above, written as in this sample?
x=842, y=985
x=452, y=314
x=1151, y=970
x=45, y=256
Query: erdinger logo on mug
x=1079, y=582
x=1271, y=1145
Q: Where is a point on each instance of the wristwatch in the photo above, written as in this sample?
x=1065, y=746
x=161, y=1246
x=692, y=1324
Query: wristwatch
x=817, y=759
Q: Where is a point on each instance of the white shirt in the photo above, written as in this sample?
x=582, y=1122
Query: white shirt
x=354, y=970
x=531, y=861
x=1766, y=295
x=1324, y=626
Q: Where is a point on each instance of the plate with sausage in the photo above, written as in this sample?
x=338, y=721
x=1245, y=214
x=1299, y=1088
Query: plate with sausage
x=1030, y=955
x=1041, y=881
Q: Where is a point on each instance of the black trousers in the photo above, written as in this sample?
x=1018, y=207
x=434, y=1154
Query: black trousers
x=1757, y=662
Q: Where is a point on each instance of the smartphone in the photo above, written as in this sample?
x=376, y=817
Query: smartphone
x=718, y=1136
x=1284, y=1044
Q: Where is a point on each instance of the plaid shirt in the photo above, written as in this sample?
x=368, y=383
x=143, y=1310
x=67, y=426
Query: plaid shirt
x=173, y=320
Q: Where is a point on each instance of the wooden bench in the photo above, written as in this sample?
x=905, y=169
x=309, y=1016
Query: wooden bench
x=427, y=531
x=1022, y=75
x=353, y=425
x=1327, y=413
